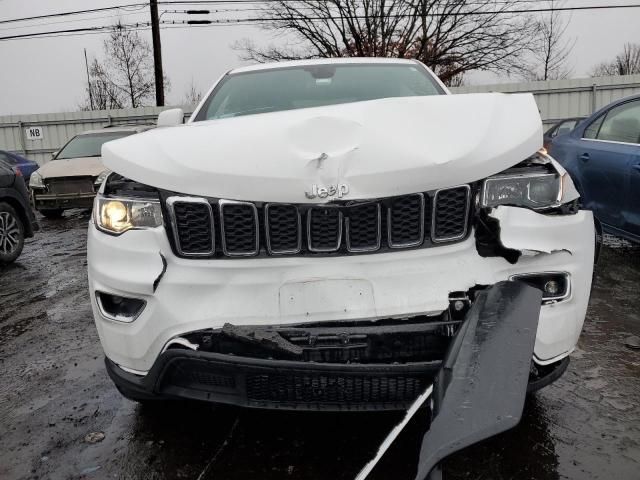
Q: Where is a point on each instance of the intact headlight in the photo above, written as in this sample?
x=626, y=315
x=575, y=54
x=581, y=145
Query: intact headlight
x=535, y=190
x=117, y=215
x=35, y=181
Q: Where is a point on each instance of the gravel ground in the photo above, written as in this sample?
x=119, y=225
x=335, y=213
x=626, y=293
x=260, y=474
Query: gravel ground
x=54, y=392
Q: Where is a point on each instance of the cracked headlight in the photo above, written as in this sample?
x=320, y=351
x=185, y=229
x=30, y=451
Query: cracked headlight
x=36, y=180
x=117, y=215
x=534, y=190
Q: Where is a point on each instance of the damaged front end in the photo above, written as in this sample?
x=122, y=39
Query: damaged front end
x=332, y=366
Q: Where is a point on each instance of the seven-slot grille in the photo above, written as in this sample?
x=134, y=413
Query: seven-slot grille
x=249, y=229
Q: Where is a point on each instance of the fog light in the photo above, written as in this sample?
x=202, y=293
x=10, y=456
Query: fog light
x=119, y=309
x=555, y=286
x=551, y=287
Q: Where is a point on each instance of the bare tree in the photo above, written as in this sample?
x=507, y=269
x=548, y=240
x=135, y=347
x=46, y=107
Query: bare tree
x=625, y=63
x=193, y=95
x=100, y=93
x=549, y=49
x=450, y=36
x=125, y=78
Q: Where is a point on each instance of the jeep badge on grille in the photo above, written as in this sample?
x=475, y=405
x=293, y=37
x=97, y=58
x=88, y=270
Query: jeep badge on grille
x=340, y=190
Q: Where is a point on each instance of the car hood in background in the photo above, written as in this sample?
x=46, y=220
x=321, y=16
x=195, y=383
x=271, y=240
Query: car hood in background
x=73, y=167
x=377, y=148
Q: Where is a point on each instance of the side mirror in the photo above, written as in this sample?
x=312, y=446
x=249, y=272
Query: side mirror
x=171, y=118
x=53, y=155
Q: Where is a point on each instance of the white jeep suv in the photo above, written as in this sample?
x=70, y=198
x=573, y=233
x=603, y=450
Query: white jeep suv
x=318, y=233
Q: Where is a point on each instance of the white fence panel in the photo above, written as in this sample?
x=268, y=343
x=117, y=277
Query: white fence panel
x=558, y=99
x=58, y=128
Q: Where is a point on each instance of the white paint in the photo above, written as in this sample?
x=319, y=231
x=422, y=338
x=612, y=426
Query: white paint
x=34, y=133
x=171, y=117
x=199, y=294
x=377, y=148
x=525, y=227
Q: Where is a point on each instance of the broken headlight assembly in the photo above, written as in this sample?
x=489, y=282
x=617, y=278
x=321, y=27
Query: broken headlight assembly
x=531, y=190
x=118, y=215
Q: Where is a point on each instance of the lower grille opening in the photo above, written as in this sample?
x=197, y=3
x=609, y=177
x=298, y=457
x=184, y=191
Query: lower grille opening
x=416, y=339
x=360, y=365
x=349, y=389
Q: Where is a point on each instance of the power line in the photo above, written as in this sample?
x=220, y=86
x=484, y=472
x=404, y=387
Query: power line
x=258, y=20
x=73, y=30
x=141, y=6
x=102, y=17
x=75, y=12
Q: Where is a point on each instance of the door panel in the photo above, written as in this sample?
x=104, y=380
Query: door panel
x=632, y=212
x=604, y=167
x=607, y=155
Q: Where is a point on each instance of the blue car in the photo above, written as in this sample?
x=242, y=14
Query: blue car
x=602, y=155
x=26, y=166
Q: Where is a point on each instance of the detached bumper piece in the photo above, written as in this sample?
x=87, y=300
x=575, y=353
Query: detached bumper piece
x=481, y=388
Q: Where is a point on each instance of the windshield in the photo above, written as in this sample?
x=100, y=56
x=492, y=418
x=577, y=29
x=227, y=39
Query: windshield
x=313, y=86
x=88, y=145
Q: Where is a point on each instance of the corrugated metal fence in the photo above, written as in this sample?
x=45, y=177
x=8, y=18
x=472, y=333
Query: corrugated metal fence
x=38, y=136
x=557, y=99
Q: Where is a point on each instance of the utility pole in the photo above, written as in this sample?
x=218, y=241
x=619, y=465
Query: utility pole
x=157, y=52
x=86, y=64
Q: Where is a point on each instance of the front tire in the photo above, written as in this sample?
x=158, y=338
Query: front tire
x=52, y=212
x=11, y=234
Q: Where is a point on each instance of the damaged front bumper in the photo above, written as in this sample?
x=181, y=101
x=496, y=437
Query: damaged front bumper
x=182, y=295
x=44, y=201
x=364, y=366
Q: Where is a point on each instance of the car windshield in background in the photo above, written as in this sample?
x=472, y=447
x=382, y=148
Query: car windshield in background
x=287, y=88
x=88, y=145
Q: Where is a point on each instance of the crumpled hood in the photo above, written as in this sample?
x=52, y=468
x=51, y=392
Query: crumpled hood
x=376, y=148
x=73, y=167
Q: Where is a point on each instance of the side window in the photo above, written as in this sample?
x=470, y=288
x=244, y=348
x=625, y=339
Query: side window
x=565, y=127
x=622, y=124
x=592, y=130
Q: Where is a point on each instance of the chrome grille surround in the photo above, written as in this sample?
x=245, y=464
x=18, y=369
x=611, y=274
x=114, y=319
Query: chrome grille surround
x=434, y=237
x=268, y=235
x=309, y=227
x=414, y=243
x=378, y=243
x=225, y=247
x=171, y=202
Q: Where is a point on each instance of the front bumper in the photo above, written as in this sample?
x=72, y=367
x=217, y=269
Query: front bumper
x=184, y=295
x=44, y=201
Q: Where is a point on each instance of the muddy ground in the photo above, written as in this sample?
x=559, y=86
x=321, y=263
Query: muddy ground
x=54, y=391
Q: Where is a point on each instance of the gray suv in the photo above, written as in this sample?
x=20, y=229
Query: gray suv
x=17, y=221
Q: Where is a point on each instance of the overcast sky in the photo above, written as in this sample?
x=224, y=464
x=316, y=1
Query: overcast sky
x=48, y=74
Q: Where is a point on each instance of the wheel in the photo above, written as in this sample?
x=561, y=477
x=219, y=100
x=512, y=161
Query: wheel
x=11, y=234
x=52, y=212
